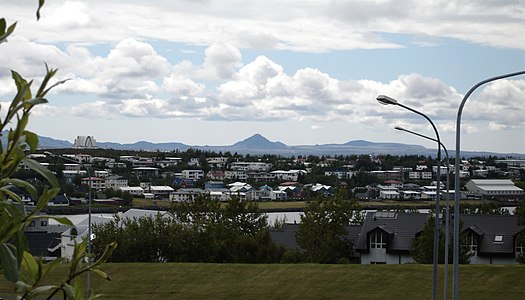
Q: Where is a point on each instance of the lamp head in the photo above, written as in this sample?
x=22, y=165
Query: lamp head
x=399, y=128
x=385, y=100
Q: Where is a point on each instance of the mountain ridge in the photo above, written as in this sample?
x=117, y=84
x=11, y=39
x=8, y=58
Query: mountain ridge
x=258, y=144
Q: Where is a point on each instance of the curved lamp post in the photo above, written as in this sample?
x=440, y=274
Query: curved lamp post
x=455, y=274
x=385, y=100
x=89, y=213
x=447, y=205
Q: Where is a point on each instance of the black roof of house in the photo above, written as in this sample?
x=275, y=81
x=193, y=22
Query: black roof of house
x=40, y=242
x=400, y=227
x=487, y=227
x=285, y=236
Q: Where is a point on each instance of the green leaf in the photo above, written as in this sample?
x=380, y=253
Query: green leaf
x=31, y=140
x=107, y=252
x=40, y=4
x=70, y=291
x=41, y=290
x=47, y=195
x=9, y=262
x=36, y=101
x=101, y=273
x=45, y=172
x=4, y=34
x=77, y=285
x=22, y=85
x=26, y=186
x=3, y=25
x=22, y=287
x=30, y=268
x=46, y=268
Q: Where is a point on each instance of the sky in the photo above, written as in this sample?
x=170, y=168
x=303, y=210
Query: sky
x=206, y=72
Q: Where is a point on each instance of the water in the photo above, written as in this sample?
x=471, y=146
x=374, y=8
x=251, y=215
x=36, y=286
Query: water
x=290, y=217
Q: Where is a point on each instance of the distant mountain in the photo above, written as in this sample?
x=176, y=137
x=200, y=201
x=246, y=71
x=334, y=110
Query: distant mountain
x=50, y=143
x=143, y=145
x=258, y=141
x=258, y=144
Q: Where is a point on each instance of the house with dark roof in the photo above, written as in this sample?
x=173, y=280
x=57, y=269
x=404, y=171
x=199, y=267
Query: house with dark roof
x=285, y=236
x=386, y=237
x=492, y=239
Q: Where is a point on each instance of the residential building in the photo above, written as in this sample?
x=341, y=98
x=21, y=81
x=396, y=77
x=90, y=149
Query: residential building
x=193, y=174
x=250, y=166
x=291, y=175
x=146, y=172
x=115, y=181
x=386, y=237
x=185, y=194
x=96, y=183
x=215, y=175
x=133, y=190
x=160, y=191
x=235, y=175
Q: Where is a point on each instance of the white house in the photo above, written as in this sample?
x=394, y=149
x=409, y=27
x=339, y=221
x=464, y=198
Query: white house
x=133, y=190
x=115, y=181
x=193, y=174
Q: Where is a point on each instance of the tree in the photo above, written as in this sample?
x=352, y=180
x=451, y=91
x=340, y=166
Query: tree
x=26, y=272
x=520, y=212
x=422, y=248
x=197, y=231
x=322, y=233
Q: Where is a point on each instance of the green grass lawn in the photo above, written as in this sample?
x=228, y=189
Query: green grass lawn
x=299, y=281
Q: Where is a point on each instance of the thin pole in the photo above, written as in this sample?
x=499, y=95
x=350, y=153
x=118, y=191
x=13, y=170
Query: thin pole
x=90, y=196
x=436, y=218
x=455, y=275
x=447, y=209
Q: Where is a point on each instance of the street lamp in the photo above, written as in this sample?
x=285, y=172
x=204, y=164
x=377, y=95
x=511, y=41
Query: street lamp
x=385, y=100
x=89, y=213
x=455, y=274
x=447, y=209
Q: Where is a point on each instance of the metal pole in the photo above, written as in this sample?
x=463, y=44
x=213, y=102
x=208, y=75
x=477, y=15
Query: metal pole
x=447, y=209
x=455, y=275
x=436, y=218
x=89, y=214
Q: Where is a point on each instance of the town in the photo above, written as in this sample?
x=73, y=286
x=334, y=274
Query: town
x=117, y=180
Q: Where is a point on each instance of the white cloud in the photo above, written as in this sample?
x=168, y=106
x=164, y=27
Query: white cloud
x=311, y=26
x=221, y=60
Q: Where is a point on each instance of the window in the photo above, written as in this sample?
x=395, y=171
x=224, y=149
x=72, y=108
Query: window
x=377, y=240
x=520, y=248
x=498, y=238
x=471, y=242
x=43, y=223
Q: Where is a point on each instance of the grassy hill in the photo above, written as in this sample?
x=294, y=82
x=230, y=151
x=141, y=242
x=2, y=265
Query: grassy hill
x=300, y=281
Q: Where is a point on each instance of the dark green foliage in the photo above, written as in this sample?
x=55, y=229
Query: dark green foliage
x=422, y=248
x=199, y=231
x=322, y=232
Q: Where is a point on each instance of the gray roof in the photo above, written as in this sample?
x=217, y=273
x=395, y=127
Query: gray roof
x=400, y=227
x=40, y=242
x=489, y=226
x=285, y=236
